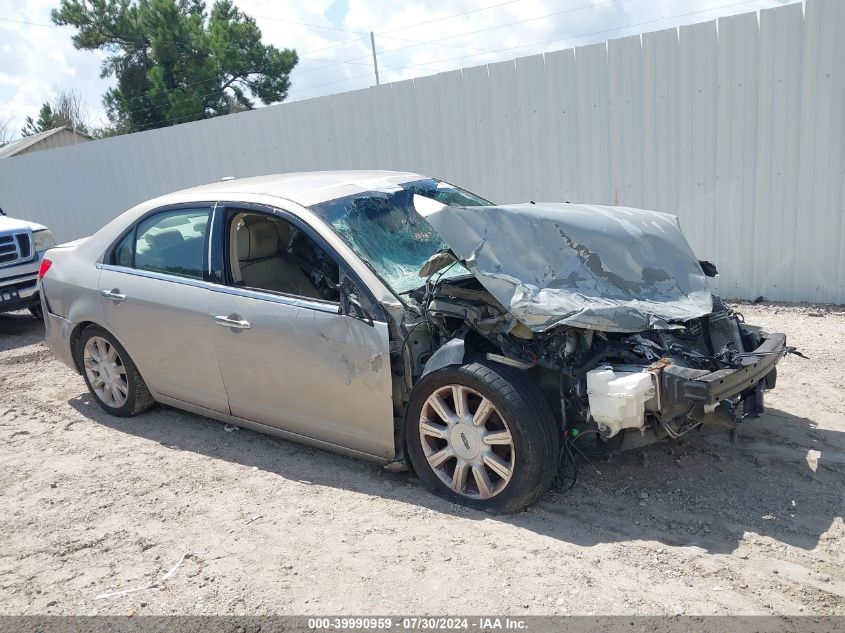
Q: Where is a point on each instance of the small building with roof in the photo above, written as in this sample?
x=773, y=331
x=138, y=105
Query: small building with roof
x=48, y=139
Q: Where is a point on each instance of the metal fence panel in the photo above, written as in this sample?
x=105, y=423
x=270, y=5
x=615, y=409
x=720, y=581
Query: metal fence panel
x=736, y=126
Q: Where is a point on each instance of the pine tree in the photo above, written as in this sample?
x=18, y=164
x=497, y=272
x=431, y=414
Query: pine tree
x=175, y=63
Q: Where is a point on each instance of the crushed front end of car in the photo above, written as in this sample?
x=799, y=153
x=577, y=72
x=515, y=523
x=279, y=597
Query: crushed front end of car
x=606, y=308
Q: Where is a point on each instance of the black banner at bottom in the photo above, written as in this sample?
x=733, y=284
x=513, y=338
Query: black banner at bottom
x=485, y=623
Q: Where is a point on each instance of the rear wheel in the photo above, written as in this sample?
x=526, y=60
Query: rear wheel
x=110, y=374
x=482, y=435
x=37, y=312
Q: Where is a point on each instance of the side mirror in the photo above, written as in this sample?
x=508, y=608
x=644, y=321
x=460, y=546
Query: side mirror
x=708, y=268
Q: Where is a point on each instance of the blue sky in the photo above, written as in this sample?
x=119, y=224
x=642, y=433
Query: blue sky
x=413, y=38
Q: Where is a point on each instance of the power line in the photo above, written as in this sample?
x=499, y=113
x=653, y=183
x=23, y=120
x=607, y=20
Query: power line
x=186, y=47
x=330, y=83
x=179, y=45
x=449, y=17
x=335, y=45
x=306, y=24
x=193, y=116
x=426, y=66
x=574, y=37
x=515, y=23
x=490, y=28
x=51, y=26
x=416, y=24
x=340, y=81
x=219, y=92
x=172, y=122
x=617, y=28
x=125, y=36
x=264, y=17
x=405, y=39
x=304, y=56
x=363, y=40
x=361, y=34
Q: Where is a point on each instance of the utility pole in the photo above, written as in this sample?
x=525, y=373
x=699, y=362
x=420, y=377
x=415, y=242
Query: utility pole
x=375, y=63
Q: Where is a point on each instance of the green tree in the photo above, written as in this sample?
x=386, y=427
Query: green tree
x=44, y=122
x=66, y=108
x=175, y=63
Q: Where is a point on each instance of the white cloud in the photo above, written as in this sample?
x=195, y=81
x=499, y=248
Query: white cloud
x=36, y=61
x=413, y=38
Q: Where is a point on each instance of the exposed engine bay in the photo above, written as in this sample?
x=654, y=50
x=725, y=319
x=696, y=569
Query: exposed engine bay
x=602, y=383
x=606, y=308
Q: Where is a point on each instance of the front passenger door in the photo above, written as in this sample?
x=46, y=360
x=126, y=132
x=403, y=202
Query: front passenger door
x=293, y=361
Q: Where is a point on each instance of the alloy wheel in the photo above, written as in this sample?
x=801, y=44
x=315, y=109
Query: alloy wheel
x=467, y=442
x=105, y=372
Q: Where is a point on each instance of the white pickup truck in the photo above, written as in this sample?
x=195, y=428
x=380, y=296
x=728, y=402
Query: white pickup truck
x=22, y=244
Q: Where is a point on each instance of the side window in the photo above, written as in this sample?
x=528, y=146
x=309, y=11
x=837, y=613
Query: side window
x=170, y=242
x=269, y=253
x=123, y=251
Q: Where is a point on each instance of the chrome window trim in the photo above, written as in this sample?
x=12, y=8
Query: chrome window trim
x=210, y=226
x=197, y=205
x=288, y=300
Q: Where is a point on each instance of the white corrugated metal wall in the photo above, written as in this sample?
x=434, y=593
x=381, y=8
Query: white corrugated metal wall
x=737, y=126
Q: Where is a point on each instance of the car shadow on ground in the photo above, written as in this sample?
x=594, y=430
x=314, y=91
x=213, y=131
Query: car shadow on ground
x=706, y=492
x=19, y=329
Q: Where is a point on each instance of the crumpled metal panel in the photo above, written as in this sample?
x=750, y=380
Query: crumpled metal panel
x=615, y=269
x=450, y=353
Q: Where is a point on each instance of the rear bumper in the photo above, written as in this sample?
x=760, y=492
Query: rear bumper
x=57, y=336
x=682, y=388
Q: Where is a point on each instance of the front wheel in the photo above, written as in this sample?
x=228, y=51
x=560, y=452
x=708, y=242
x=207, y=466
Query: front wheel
x=482, y=435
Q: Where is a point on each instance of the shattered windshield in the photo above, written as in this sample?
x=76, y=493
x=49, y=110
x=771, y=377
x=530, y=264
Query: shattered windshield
x=384, y=229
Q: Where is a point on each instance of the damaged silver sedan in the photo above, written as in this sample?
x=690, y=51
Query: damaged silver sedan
x=399, y=318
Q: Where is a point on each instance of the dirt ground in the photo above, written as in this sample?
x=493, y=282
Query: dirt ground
x=209, y=521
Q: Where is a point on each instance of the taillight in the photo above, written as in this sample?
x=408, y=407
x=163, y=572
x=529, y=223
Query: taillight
x=45, y=266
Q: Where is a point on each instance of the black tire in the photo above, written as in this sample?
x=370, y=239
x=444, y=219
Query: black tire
x=138, y=398
x=526, y=415
x=37, y=312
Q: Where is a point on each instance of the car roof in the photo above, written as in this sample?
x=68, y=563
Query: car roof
x=306, y=188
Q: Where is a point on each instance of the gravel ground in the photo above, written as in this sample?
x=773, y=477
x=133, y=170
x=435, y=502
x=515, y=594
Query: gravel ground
x=207, y=521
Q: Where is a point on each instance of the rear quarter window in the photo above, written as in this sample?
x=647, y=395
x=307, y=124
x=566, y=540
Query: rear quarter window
x=123, y=251
x=171, y=242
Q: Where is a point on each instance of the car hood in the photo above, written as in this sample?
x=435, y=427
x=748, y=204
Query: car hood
x=615, y=269
x=13, y=224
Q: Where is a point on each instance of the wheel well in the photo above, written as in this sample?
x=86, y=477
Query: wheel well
x=74, y=339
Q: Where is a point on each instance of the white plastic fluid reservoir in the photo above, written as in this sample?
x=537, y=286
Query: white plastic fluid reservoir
x=617, y=398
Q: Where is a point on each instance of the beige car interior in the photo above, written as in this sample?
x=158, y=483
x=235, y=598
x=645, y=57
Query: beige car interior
x=262, y=250
x=173, y=245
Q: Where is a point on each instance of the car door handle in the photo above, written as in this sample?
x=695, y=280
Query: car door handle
x=114, y=294
x=233, y=320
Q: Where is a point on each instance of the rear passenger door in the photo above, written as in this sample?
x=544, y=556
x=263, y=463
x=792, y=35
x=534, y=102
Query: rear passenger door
x=155, y=300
